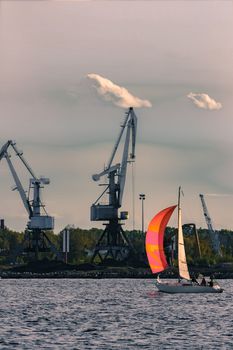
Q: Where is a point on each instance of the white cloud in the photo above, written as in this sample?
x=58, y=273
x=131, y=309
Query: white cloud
x=204, y=101
x=118, y=95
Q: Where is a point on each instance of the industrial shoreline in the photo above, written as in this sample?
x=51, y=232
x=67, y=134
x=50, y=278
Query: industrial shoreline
x=112, y=242
x=111, y=272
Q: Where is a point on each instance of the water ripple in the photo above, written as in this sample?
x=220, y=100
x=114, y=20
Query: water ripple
x=111, y=314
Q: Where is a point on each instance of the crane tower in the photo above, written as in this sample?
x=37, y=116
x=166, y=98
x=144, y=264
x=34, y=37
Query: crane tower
x=113, y=242
x=36, y=239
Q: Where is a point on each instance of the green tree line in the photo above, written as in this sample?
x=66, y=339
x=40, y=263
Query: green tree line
x=83, y=241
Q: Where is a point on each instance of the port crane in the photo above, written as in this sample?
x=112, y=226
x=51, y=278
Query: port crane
x=113, y=242
x=35, y=237
x=214, y=236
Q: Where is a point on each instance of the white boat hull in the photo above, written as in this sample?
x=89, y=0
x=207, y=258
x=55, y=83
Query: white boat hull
x=172, y=288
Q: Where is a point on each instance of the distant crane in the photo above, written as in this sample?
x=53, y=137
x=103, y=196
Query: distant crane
x=35, y=236
x=213, y=233
x=113, y=242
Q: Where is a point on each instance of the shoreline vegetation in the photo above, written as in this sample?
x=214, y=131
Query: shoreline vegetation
x=82, y=243
x=58, y=269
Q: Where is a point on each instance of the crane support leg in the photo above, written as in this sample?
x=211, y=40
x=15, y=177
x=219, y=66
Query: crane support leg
x=37, y=241
x=113, y=244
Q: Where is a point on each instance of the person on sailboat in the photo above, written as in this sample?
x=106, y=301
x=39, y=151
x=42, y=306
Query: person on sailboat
x=203, y=282
x=211, y=282
x=194, y=280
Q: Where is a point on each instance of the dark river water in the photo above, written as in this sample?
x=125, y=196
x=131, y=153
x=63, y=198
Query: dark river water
x=111, y=314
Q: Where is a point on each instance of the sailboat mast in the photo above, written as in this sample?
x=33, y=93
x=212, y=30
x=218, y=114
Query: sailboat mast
x=179, y=209
x=182, y=263
x=179, y=198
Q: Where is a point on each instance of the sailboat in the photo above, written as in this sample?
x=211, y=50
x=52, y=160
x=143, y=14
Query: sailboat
x=157, y=259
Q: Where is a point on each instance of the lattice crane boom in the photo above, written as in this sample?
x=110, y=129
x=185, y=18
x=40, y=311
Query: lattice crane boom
x=19, y=186
x=213, y=233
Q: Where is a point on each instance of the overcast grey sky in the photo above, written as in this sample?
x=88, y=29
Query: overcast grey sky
x=160, y=51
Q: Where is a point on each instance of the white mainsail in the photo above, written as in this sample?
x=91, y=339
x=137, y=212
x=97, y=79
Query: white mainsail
x=182, y=263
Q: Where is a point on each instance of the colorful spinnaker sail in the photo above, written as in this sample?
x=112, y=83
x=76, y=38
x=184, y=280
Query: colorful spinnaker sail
x=154, y=240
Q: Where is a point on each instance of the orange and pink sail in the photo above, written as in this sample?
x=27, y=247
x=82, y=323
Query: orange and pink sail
x=154, y=240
